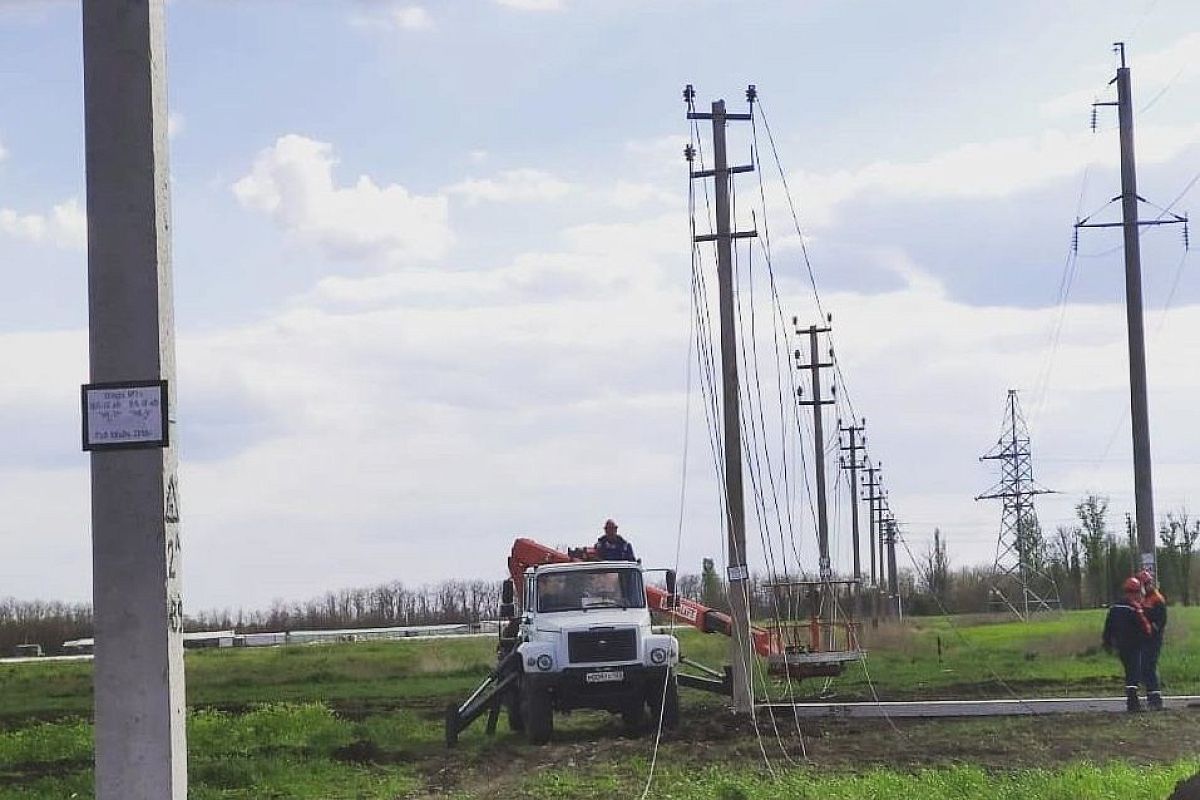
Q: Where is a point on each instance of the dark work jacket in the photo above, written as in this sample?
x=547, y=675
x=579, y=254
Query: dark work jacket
x=616, y=550
x=1122, y=628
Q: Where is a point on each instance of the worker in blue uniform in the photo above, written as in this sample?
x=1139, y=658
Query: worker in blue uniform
x=611, y=547
x=1127, y=630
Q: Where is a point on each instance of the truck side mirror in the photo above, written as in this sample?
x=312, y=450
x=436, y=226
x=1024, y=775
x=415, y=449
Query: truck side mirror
x=507, y=609
x=672, y=598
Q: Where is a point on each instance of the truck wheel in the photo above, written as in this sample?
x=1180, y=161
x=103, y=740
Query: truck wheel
x=669, y=704
x=670, y=717
x=634, y=714
x=512, y=703
x=538, y=714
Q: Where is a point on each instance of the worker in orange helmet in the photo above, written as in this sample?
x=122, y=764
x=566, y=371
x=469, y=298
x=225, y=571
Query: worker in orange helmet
x=611, y=546
x=1155, y=606
x=1127, y=630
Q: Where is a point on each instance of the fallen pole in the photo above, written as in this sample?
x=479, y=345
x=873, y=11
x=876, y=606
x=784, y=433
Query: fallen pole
x=924, y=709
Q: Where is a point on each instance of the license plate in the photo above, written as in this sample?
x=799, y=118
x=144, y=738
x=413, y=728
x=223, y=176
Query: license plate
x=606, y=676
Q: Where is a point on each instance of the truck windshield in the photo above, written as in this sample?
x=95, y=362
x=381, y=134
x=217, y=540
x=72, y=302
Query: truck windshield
x=584, y=589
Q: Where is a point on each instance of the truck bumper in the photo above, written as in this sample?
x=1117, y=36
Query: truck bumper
x=572, y=687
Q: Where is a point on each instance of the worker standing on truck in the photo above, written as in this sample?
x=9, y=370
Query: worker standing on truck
x=1155, y=606
x=1127, y=630
x=611, y=547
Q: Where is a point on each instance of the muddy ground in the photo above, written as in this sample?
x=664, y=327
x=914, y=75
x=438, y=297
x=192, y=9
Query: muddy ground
x=592, y=743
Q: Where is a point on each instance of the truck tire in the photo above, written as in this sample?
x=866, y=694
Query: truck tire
x=512, y=704
x=633, y=715
x=538, y=714
x=668, y=704
x=670, y=717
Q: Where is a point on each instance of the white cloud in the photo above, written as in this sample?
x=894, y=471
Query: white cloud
x=478, y=156
x=412, y=18
x=65, y=226
x=998, y=168
x=546, y=395
x=1174, y=65
x=516, y=185
x=3, y=152
x=293, y=182
x=394, y=16
x=630, y=195
x=175, y=124
x=533, y=5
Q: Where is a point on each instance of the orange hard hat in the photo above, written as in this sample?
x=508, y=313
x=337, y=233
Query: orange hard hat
x=1132, y=585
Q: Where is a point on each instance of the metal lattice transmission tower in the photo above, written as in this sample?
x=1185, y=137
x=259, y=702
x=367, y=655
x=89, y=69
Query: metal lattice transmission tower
x=1018, y=578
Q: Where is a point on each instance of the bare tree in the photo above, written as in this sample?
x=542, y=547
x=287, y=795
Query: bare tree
x=936, y=569
x=1093, y=512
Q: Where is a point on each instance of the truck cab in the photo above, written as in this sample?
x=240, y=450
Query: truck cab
x=584, y=637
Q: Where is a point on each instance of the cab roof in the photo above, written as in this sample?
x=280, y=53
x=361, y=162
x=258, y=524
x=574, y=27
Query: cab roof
x=584, y=566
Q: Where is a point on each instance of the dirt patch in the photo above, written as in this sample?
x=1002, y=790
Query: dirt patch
x=592, y=745
x=360, y=752
x=32, y=771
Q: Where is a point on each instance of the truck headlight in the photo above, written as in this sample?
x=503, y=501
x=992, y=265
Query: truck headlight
x=544, y=662
x=658, y=655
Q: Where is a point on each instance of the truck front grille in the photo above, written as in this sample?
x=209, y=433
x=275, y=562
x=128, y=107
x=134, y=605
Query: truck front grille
x=592, y=647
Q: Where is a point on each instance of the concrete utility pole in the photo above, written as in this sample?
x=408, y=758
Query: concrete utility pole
x=741, y=653
x=893, y=583
x=853, y=431
x=140, y=748
x=884, y=513
x=1138, y=403
x=872, y=487
x=874, y=500
x=814, y=366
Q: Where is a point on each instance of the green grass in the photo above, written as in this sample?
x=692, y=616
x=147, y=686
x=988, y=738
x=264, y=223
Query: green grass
x=1059, y=655
x=1074, y=782
x=364, y=720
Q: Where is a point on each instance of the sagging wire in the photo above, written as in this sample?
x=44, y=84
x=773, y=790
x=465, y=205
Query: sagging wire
x=687, y=420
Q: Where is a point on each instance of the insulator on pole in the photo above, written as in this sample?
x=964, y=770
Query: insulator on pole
x=1093, y=119
x=689, y=94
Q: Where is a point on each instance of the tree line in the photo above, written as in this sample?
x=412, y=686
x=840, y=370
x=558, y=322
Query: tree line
x=1086, y=561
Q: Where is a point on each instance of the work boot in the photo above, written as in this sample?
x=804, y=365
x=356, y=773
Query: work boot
x=1154, y=701
x=1132, y=703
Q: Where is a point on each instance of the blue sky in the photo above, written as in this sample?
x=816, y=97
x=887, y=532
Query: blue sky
x=432, y=290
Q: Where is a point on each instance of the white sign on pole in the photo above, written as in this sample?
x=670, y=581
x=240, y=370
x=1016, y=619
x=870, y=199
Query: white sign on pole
x=125, y=415
x=737, y=572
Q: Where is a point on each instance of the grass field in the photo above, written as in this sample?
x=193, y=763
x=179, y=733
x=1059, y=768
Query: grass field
x=364, y=721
